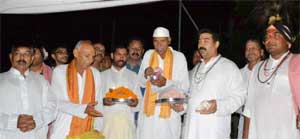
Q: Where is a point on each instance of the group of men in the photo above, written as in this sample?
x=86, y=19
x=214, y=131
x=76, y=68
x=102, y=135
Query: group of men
x=267, y=92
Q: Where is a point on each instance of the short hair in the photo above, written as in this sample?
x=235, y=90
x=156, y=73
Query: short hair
x=255, y=41
x=119, y=47
x=21, y=44
x=215, y=36
x=40, y=46
x=135, y=38
x=99, y=42
x=57, y=46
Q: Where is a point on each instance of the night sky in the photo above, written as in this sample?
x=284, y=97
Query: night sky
x=231, y=19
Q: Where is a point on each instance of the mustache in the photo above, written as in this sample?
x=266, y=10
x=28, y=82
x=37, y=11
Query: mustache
x=121, y=61
x=135, y=54
x=20, y=62
x=202, y=48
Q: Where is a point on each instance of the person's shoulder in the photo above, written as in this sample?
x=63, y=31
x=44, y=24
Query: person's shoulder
x=60, y=68
x=296, y=57
x=228, y=64
x=94, y=70
x=178, y=56
x=177, y=53
x=106, y=72
x=4, y=75
x=149, y=52
x=37, y=77
x=130, y=72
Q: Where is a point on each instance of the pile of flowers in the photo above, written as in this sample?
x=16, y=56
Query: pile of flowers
x=120, y=92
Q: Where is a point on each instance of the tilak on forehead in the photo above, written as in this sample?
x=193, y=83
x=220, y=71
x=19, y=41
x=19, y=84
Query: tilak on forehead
x=275, y=24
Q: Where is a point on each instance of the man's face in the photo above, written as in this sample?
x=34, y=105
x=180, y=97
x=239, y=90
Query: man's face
x=253, y=52
x=161, y=44
x=38, y=58
x=100, y=51
x=106, y=63
x=136, y=49
x=207, y=47
x=120, y=57
x=21, y=59
x=274, y=41
x=85, y=56
x=61, y=56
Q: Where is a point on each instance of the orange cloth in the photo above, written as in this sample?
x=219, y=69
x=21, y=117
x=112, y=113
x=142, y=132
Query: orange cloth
x=79, y=125
x=150, y=96
x=121, y=92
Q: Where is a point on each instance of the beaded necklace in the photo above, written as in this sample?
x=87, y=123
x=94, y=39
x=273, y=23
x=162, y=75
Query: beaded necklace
x=265, y=62
x=198, y=77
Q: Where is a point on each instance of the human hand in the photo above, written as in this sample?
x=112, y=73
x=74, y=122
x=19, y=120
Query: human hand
x=133, y=103
x=148, y=72
x=212, y=107
x=108, y=102
x=25, y=122
x=161, y=81
x=91, y=111
x=177, y=107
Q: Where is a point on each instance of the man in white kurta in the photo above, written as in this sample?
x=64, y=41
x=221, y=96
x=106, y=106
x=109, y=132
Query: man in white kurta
x=253, y=54
x=118, y=120
x=155, y=127
x=23, y=92
x=217, y=81
x=67, y=109
x=270, y=105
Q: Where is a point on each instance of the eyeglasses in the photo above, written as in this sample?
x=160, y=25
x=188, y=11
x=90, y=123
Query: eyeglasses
x=26, y=54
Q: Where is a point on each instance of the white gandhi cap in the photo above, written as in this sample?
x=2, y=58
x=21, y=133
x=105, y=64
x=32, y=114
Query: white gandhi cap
x=161, y=32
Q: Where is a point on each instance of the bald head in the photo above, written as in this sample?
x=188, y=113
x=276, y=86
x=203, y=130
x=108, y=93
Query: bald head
x=84, y=54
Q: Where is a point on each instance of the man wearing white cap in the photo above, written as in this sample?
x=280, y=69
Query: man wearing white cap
x=273, y=93
x=161, y=121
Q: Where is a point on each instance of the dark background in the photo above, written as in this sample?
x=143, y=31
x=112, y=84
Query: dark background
x=235, y=21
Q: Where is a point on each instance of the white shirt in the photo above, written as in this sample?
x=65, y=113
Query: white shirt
x=224, y=83
x=25, y=95
x=67, y=109
x=113, y=78
x=154, y=127
x=270, y=105
x=246, y=73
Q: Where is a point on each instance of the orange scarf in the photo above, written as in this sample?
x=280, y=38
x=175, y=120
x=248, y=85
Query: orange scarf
x=79, y=125
x=150, y=96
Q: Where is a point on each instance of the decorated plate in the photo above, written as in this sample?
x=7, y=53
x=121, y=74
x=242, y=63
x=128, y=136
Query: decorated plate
x=171, y=100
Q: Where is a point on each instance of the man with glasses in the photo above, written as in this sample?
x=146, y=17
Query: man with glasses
x=26, y=106
x=60, y=55
x=273, y=93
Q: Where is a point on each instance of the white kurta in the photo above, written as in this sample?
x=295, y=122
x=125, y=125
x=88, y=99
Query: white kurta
x=246, y=73
x=154, y=127
x=67, y=109
x=270, y=105
x=224, y=83
x=119, y=118
x=30, y=95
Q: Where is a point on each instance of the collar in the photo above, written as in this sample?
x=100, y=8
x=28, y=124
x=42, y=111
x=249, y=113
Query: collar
x=279, y=59
x=16, y=72
x=211, y=61
x=115, y=70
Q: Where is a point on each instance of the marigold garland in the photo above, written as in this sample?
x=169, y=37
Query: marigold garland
x=120, y=92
